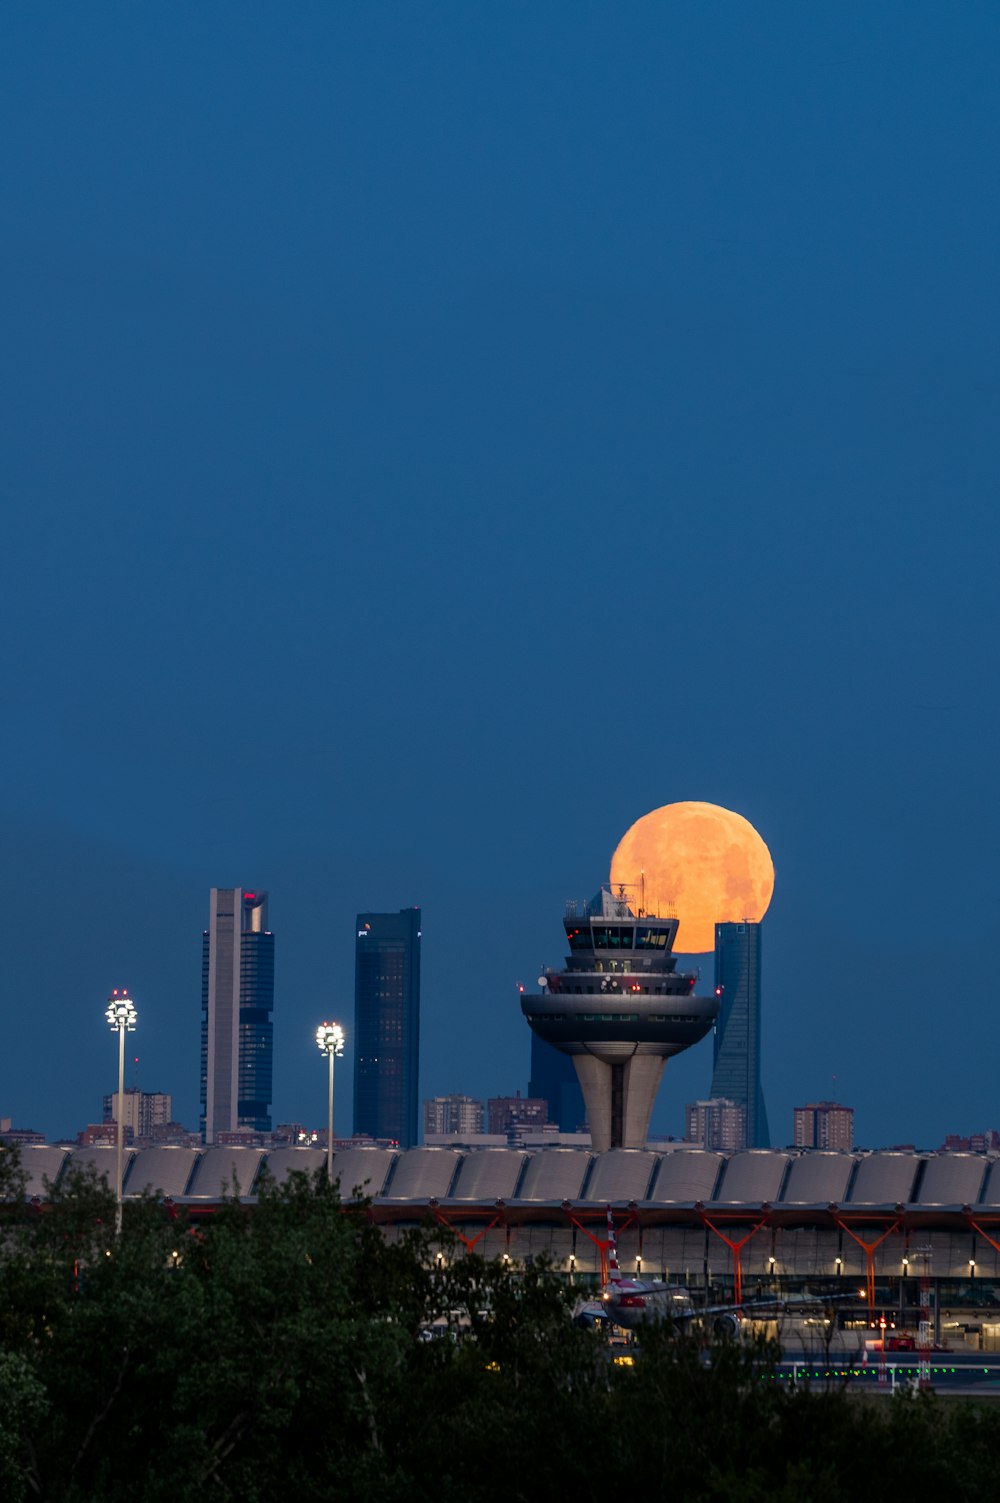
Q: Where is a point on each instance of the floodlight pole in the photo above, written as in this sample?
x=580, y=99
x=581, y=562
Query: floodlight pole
x=121, y=1015
x=330, y=1039
x=120, y=1133
x=329, y=1123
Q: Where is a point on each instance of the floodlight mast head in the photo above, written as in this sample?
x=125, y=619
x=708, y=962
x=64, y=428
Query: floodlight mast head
x=330, y=1039
x=121, y=1013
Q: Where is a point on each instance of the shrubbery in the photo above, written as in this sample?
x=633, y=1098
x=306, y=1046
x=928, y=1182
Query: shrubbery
x=275, y=1352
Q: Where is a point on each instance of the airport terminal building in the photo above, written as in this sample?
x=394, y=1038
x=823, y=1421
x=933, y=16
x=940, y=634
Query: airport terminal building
x=889, y=1230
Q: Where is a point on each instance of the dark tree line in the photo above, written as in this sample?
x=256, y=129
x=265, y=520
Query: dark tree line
x=277, y=1352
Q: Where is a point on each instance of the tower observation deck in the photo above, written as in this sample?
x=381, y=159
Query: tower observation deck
x=620, y=1009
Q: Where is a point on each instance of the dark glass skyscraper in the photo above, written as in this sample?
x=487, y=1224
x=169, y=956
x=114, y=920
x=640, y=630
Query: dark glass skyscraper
x=736, y=1072
x=554, y=1077
x=237, y=996
x=387, y=1025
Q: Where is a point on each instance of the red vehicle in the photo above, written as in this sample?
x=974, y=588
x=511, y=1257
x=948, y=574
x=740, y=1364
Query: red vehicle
x=895, y=1341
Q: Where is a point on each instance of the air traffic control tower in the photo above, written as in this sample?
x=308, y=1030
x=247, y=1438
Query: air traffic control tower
x=621, y=1010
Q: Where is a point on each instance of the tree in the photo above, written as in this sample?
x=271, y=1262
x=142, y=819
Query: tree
x=277, y=1350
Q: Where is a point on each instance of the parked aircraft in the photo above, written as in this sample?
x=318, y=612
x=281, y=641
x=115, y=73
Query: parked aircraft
x=628, y=1302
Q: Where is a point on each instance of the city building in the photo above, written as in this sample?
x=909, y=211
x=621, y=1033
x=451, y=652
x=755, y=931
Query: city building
x=237, y=998
x=718, y=1124
x=506, y=1114
x=174, y=1134
x=977, y=1142
x=453, y=1114
x=736, y=1059
x=554, y=1078
x=11, y=1134
x=142, y=1111
x=620, y=1010
x=387, y=1025
x=824, y=1124
x=102, y=1135
x=547, y=1136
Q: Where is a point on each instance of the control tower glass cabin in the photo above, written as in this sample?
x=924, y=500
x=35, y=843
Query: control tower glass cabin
x=620, y=1009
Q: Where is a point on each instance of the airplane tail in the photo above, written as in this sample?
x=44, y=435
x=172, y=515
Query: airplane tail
x=614, y=1272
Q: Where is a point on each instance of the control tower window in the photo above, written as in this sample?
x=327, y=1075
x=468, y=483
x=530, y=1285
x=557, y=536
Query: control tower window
x=651, y=939
x=613, y=937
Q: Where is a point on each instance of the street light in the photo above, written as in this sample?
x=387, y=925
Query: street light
x=330, y=1038
x=121, y=1016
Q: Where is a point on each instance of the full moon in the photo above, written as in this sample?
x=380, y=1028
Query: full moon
x=699, y=863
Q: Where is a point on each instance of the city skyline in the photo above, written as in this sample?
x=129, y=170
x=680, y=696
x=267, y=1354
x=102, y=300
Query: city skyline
x=379, y=379
x=740, y=965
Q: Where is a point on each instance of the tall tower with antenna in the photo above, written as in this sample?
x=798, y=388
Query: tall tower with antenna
x=620, y=1009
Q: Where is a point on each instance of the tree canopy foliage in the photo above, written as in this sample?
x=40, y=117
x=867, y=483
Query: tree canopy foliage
x=280, y=1350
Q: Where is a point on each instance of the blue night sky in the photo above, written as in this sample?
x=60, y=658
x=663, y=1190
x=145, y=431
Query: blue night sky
x=435, y=435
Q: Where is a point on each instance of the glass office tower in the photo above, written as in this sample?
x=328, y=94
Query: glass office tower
x=237, y=998
x=736, y=1072
x=387, y=1025
x=554, y=1077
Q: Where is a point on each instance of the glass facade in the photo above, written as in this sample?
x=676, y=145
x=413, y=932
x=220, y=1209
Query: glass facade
x=237, y=998
x=554, y=1077
x=387, y=1025
x=736, y=1071
x=256, y=1035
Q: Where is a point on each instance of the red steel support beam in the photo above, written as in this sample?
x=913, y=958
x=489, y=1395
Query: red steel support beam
x=467, y=1242
x=736, y=1246
x=869, y=1250
x=979, y=1229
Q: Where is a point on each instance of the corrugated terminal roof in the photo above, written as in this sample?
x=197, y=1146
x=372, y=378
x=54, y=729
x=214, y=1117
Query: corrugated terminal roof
x=680, y=1177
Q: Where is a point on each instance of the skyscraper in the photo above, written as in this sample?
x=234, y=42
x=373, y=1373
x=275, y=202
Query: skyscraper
x=554, y=1078
x=736, y=1072
x=237, y=996
x=387, y=1025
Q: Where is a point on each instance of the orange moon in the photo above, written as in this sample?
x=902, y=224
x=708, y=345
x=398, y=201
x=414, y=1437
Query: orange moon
x=699, y=863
